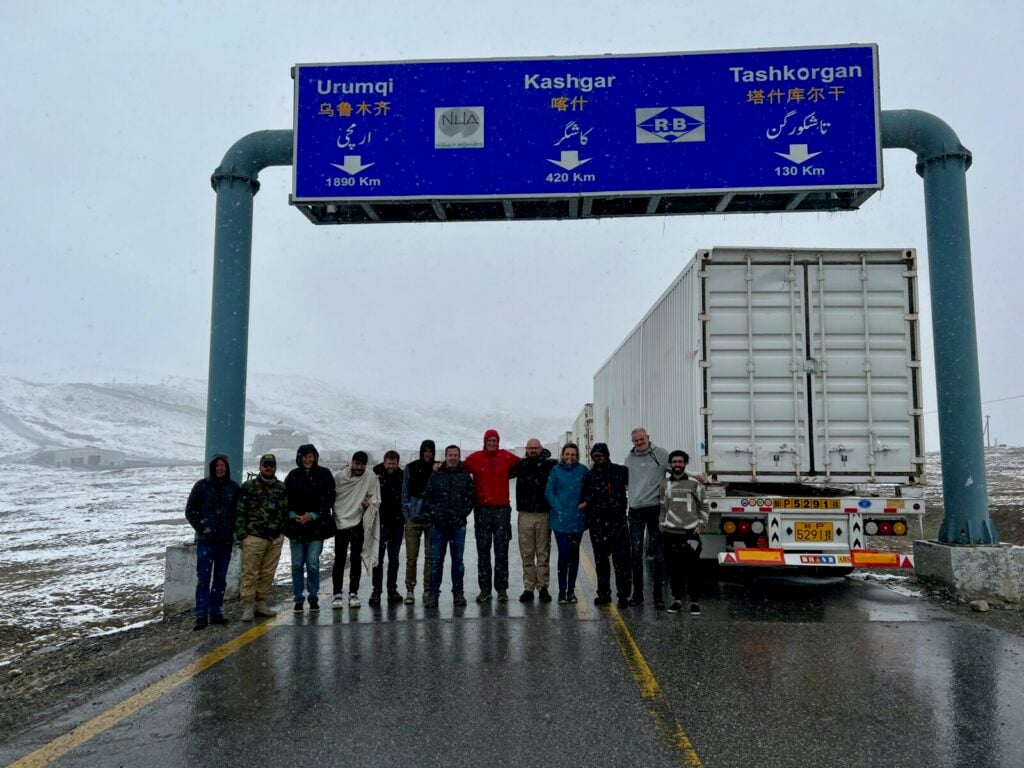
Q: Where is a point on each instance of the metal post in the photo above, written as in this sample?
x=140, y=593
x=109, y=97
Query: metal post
x=235, y=182
x=943, y=162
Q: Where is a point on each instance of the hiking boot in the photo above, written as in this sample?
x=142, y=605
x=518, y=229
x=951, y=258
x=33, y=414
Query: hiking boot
x=201, y=623
x=571, y=598
x=298, y=606
x=502, y=596
x=430, y=601
x=218, y=618
x=483, y=597
x=314, y=605
x=374, y=597
x=410, y=598
x=527, y=596
x=561, y=598
x=602, y=600
x=623, y=602
x=248, y=612
x=545, y=596
x=353, y=601
x=262, y=609
x=676, y=607
x=695, y=609
x=394, y=596
x=459, y=599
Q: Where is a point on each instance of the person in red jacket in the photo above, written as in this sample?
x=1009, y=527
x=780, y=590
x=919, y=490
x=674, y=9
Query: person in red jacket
x=491, y=468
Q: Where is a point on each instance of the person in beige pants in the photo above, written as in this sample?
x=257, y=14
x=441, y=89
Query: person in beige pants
x=259, y=524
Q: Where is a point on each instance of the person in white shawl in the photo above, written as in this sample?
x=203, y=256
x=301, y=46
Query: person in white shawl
x=356, y=506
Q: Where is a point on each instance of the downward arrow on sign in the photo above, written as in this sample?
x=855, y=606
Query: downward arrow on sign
x=353, y=164
x=570, y=159
x=798, y=153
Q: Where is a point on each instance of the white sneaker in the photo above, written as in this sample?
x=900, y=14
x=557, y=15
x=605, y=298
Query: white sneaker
x=353, y=601
x=338, y=601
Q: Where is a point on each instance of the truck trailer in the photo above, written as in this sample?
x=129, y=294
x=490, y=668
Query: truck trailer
x=792, y=378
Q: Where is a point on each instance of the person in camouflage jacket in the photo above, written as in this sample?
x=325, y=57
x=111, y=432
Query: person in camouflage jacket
x=260, y=516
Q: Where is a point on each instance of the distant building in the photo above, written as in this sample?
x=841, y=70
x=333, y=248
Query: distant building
x=89, y=457
x=281, y=441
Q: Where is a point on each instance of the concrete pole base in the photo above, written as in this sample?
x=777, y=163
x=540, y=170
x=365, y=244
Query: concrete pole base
x=180, y=577
x=994, y=573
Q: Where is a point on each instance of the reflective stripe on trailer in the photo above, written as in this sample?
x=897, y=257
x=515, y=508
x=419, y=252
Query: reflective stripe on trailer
x=858, y=558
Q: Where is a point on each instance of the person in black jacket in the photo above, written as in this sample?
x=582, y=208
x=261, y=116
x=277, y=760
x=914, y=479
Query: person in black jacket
x=414, y=482
x=210, y=510
x=392, y=527
x=533, y=509
x=448, y=500
x=605, y=510
x=310, y=490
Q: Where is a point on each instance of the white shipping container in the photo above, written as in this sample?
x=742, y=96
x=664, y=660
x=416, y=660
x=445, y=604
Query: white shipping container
x=776, y=365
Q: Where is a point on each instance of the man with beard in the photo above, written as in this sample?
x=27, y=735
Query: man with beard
x=392, y=527
x=210, y=510
x=448, y=500
x=533, y=509
x=683, y=515
x=356, y=504
x=417, y=527
x=260, y=513
x=603, y=501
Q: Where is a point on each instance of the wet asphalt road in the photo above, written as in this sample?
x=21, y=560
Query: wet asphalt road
x=779, y=672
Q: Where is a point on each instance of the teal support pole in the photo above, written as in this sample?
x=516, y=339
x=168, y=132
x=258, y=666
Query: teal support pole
x=943, y=162
x=236, y=183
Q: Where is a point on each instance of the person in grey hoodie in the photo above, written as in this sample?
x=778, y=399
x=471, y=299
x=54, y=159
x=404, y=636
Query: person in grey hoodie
x=683, y=514
x=646, y=464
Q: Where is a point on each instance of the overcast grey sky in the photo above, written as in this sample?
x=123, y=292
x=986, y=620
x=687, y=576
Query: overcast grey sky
x=115, y=115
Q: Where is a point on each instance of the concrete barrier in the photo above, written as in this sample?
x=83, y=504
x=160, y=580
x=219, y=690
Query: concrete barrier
x=974, y=572
x=180, y=577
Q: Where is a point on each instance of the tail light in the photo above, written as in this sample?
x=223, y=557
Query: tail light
x=744, y=526
x=885, y=527
x=729, y=527
x=757, y=526
x=762, y=542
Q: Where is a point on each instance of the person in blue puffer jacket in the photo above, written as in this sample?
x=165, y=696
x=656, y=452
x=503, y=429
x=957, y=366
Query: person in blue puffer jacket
x=566, y=518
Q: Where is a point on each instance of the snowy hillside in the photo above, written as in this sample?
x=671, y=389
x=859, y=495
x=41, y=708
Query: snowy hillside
x=166, y=421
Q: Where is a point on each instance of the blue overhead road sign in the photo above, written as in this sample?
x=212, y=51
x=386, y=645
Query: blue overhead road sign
x=734, y=121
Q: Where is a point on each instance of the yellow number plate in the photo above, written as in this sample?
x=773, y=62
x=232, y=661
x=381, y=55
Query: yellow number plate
x=805, y=503
x=816, y=531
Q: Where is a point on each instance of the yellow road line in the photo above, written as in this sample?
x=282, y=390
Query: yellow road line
x=108, y=719
x=665, y=721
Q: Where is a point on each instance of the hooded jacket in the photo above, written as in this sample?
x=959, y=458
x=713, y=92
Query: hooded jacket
x=309, y=490
x=449, y=498
x=491, y=471
x=414, y=482
x=604, y=491
x=531, y=481
x=563, y=494
x=646, y=470
x=210, y=508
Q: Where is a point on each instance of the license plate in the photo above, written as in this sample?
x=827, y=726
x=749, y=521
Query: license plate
x=813, y=531
x=805, y=503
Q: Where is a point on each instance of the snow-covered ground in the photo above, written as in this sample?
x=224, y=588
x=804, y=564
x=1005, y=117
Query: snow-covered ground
x=81, y=552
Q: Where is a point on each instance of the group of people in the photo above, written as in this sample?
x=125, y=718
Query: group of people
x=647, y=506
